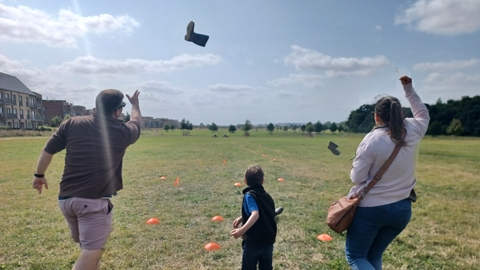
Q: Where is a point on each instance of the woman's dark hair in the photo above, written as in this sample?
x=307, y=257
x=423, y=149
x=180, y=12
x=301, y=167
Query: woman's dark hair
x=391, y=113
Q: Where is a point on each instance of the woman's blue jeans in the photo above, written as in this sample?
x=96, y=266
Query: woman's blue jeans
x=372, y=230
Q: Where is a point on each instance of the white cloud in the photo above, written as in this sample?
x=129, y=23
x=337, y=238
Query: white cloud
x=306, y=80
x=156, y=87
x=457, y=78
x=446, y=17
x=30, y=77
x=446, y=65
x=91, y=65
x=23, y=23
x=303, y=58
x=378, y=27
x=226, y=88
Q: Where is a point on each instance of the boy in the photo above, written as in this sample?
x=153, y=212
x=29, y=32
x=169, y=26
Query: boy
x=259, y=229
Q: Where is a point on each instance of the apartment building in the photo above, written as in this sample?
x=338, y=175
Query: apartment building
x=19, y=106
x=150, y=122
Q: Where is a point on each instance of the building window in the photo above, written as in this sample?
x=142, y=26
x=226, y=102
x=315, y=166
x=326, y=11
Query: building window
x=21, y=114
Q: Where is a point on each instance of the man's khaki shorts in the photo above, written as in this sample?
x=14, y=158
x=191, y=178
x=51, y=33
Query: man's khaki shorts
x=90, y=221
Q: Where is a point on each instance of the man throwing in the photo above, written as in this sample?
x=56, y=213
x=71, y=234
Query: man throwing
x=95, y=146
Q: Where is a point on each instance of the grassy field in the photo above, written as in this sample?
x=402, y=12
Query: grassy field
x=444, y=232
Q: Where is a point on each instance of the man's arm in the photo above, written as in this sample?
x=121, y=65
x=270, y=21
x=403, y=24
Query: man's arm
x=136, y=115
x=42, y=165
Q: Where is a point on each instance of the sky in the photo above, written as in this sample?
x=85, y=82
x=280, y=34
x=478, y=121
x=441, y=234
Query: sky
x=269, y=61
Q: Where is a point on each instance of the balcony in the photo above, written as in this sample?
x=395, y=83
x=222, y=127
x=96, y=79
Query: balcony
x=20, y=103
x=37, y=117
x=11, y=116
x=8, y=101
x=21, y=116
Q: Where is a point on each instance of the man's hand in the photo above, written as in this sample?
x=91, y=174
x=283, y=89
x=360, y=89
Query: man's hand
x=134, y=99
x=405, y=80
x=38, y=183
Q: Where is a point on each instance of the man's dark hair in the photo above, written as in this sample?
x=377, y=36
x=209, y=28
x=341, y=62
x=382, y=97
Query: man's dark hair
x=108, y=101
x=254, y=175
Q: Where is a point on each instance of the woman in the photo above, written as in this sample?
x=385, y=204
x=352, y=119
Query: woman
x=386, y=209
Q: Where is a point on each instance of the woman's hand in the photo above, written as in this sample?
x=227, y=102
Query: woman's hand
x=405, y=80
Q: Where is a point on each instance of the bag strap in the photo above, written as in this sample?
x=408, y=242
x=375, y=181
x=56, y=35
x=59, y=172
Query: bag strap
x=384, y=168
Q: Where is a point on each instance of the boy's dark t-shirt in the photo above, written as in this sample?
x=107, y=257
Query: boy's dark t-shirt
x=265, y=228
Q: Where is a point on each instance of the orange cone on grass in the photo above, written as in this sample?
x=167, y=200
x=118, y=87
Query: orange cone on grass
x=176, y=181
x=212, y=246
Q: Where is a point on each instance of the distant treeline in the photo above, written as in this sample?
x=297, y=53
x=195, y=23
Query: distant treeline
x=455, y=117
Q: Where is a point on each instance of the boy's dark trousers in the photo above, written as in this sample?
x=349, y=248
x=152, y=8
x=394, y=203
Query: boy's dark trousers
x=254, y=252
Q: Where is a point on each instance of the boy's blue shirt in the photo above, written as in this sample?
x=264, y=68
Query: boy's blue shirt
x=250, y=204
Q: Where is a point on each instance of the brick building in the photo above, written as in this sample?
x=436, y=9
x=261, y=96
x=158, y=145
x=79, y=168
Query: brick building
x=55, y=108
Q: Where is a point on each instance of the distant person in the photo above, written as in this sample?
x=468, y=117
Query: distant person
x=95, y=146
x=387, y=208
x=259, y=228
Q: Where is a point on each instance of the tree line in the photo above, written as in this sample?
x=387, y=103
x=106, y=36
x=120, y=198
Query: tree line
x=455, y=117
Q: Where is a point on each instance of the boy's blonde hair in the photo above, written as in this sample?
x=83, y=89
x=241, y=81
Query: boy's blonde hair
x=254, y=175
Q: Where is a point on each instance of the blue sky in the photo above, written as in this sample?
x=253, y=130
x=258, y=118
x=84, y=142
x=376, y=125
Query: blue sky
x=267, y=61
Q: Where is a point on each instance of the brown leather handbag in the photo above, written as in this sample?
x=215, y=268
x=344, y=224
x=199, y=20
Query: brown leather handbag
x=340, y=214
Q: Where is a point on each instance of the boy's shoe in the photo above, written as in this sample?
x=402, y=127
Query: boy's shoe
x=190, y=27
x=278, y=211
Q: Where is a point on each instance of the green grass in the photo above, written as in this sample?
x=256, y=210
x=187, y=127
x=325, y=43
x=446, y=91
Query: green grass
x=444, y=232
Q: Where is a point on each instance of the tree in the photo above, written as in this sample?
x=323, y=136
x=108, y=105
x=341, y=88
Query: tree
x=270, y=128
x=294, y=128
x=326, y=125
x=185, y=126
x=435, y=129
x=232, y=129
x=172, y=127
x=333, y=127
x=318, y=127
x=361, y=120
x=213, y=127
x=202, y=126
x=285, y=128
x=455, y=128
x=302, y=128
x=310, y=128
x=166, y=127
x=247, y=127
x=66, y=117
x=340, y=128
x=55, y=121
x=126, y=118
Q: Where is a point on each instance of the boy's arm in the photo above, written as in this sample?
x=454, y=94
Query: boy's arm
x=237, y=222
x=251, y=220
